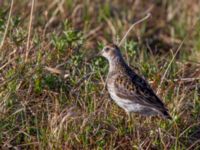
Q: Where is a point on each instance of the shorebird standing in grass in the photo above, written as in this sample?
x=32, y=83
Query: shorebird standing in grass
x=130, y=91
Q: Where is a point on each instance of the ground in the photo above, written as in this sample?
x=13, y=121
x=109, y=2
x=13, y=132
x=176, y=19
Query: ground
x=52, y=85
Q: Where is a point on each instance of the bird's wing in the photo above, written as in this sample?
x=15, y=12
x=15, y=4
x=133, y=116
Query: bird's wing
x=124, y=87
x=136, y=89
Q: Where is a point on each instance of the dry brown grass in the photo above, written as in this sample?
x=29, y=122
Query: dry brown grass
x=52, y=92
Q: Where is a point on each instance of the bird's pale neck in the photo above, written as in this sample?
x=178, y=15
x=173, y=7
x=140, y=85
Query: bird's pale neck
x=115, y=63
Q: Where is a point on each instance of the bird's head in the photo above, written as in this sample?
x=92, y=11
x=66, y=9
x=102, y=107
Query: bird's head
x=111, y=52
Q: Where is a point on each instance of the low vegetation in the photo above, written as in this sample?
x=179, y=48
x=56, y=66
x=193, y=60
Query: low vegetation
x=52, y=84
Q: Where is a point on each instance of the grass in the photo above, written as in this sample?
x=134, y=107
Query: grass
x=52, y=87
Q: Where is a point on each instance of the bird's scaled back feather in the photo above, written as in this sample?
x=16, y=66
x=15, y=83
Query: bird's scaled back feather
x=136, y=89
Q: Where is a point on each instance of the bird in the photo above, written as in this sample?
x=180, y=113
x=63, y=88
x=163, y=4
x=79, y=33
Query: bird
x=130, y=91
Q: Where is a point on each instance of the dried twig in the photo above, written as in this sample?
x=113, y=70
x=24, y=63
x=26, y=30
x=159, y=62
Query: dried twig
x=7, y=25
x=29, y=30
x=133, y=25
x=169, y=65
x=53, y=70
x=53, y=17
x=57, y=71
x=93, y=32
x=194, y=143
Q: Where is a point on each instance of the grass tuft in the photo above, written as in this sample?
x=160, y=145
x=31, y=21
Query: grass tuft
x=56, y=99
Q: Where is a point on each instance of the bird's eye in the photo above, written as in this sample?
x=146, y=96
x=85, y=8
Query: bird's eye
x=106, y=49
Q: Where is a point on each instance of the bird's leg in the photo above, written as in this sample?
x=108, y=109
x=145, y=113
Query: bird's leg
x=129, y=121
x=129, y=116
x=149, y=119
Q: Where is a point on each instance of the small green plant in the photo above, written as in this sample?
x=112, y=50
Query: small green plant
x=70, y=108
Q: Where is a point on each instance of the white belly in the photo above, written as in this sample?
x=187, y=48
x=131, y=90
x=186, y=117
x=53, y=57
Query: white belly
x=127, y=105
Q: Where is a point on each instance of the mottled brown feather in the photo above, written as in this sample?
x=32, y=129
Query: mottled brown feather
x=128, y=85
